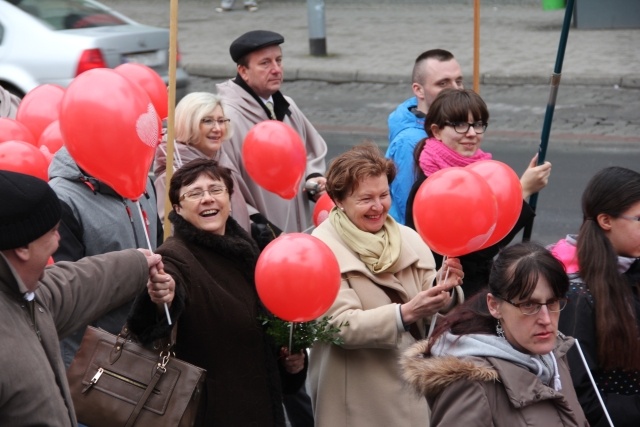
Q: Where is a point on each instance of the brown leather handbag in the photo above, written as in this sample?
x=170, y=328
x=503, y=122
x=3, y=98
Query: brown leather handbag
x=115, y=381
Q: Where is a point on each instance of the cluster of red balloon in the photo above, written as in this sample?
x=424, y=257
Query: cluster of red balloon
x=461, y=210
x=22, y=147
x=297, y=277
x=108, y=119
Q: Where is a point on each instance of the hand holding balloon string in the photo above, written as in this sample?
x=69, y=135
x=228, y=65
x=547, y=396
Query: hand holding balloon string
x=166, y=294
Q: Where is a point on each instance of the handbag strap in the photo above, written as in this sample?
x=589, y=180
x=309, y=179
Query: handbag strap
x=164, y=356
x=160, y=369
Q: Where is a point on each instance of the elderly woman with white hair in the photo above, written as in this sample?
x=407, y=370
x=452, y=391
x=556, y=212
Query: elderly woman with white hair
x=200, y=130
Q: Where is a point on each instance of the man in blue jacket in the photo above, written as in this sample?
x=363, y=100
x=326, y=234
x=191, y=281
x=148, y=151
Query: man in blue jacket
x=434, y=70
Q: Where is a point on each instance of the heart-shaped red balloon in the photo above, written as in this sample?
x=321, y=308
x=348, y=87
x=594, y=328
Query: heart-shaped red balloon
x=40, y=107
x=111, y=129
x=151, y=82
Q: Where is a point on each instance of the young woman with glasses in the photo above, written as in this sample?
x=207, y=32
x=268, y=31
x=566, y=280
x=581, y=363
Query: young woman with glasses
x=498, y=359
x=604, y=297
x=455, y=126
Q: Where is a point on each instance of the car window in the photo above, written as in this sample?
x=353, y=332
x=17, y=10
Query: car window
x=69, y=14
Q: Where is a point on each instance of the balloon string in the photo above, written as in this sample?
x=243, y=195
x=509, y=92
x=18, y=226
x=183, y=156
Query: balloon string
x=146, y=235
x=444, y=260
x=290, y=338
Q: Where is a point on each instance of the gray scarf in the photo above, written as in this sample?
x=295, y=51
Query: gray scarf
x=543, y=366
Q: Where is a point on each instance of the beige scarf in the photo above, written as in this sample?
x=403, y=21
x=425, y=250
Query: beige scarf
x=378, y=251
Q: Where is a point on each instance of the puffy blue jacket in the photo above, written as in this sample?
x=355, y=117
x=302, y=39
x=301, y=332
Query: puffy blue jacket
x=405, y=130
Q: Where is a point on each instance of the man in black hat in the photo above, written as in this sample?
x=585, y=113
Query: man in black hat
x=254, y=96
x=38, y=305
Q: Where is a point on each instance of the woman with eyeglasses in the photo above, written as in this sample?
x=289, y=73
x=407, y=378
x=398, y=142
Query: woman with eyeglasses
x=388, y=296
x=455, y=126
x=604, y=297
x=498, y=359
x=215, y=304
x=200, y=130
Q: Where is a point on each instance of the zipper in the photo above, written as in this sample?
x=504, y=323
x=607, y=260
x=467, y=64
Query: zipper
x=112, y=374
x=32, y=311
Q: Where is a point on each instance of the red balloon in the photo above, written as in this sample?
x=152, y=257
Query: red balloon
x=51, y=137
x=47, y=154
x=111, y=129
x=40, y=107
x=297, y=277
x=12, y=130
x=505, y=184
x=322, y=209
x=20, y=156
x=274, y=156
x=151, y=82
x=455, y=211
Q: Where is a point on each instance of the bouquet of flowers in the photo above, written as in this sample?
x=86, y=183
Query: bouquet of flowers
x=298, y=336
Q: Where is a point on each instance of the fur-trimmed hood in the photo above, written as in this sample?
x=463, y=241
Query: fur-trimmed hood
x=430, y=375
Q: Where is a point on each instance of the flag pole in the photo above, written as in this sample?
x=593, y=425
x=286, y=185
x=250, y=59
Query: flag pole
x=173, y=59
x=551, y=104
x=476, y=46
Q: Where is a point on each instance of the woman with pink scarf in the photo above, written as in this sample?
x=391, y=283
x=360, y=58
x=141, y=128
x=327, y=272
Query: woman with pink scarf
x=455, y=126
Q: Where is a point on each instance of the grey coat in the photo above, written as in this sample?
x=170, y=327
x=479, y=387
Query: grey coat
x=33, y=384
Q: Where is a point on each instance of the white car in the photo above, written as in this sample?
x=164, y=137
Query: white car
x=52, y=41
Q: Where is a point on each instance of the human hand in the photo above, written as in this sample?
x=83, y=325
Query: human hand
x=160, y=286
x=450, y=274
x=426, y=304
x=152, y=259
x=535, y=178
x=316, y=187
x=293, y=363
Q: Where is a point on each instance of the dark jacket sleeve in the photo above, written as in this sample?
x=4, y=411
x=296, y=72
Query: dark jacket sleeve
x=71, y=246
x=291, y=383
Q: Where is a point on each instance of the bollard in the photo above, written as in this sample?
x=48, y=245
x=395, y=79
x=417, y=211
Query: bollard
x=317, y=37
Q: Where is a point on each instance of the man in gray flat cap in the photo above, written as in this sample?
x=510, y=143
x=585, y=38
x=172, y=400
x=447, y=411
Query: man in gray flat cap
x=254, y=96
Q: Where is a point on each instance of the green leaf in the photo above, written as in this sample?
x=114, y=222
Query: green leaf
x=305, y=334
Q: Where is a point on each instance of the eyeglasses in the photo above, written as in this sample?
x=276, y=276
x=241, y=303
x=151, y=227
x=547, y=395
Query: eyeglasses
x=211, y=122
x=631, y=218
x=463, y=127
x=529, y=308
x=195, y=195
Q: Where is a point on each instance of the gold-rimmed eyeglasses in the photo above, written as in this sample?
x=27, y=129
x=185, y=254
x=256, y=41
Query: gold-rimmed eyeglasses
x=195, y=195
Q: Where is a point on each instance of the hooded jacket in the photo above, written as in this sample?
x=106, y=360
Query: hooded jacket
x=490, y=391
x=33, y=384
x=406, y=129
x=96, y=220
x=245, y=111
x=358, y=383
x=183, y=154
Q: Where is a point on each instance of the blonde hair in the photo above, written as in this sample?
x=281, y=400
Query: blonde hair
x=189, y=113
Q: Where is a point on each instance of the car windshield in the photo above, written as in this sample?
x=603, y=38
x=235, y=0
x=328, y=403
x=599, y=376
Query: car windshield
x=69, y=14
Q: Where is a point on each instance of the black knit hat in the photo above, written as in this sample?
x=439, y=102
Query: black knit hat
x=29, y=208
x=252, y=41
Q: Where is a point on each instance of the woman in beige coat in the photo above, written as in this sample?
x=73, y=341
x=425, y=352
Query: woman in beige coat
x=499, y=360
x=386, y=299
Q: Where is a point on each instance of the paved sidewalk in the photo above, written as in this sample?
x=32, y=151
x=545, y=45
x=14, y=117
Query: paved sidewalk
x=377, y=41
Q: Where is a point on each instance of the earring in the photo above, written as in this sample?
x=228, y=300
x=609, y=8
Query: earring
x=499, y=330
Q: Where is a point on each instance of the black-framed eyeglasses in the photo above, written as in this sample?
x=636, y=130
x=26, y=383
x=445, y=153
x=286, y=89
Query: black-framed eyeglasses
x=194, y=195
x=631, y=218
x=529, y=308
x=463, y=127
x=212, y=122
